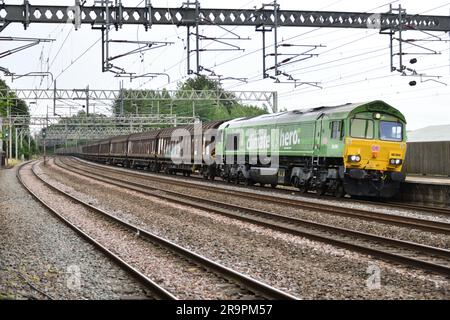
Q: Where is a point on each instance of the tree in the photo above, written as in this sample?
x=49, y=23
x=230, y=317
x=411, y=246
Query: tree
x=227, y=107
x=17, y=107
x=200, y=83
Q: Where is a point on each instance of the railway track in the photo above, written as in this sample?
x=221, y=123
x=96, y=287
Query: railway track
x=158, y=291
x=410, y=222
x=284, y=190
x=445, y=211
x=242, y=282
x=434, y=210
x=404, y=252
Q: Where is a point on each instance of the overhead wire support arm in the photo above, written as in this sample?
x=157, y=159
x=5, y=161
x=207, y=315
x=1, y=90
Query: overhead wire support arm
x=295, y=57
x=32, y=42
x=15, y=76
x=411, y=42
x=134, y=76
x=5, y=70
x=397, y=52
x=144, y=46
x=244, y=80
x=236, y=36
x=271, y=24
x=3, y=25
x=224, y=41
x=219, y=40
x=116, y=15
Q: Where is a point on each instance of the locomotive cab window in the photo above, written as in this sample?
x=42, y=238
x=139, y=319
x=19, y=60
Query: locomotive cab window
x=336, y=130
x=361, y=128
x=391, y=131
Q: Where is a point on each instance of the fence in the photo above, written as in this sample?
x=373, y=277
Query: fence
x=428, y=158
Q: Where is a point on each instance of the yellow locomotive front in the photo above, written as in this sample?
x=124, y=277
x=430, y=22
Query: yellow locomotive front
x=375, y=149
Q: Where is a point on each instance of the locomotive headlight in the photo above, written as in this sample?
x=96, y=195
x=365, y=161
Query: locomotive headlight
x=395, y=162
x=354, y=158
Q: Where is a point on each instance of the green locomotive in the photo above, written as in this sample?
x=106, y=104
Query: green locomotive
x=356, y=149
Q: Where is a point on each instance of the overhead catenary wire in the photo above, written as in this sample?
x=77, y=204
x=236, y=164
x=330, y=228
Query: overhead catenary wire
x=333, y=61
x=387, y=95
x=60, y=49
x=180, y=62
x=255, y=78
x=282, y=95
x=327, y=63
x=359, y=71
x=79, y=57
x=269, y=46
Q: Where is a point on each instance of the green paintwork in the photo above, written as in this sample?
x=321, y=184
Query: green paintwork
x=301, y=132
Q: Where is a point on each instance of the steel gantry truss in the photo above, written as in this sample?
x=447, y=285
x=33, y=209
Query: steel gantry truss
x=191, y=16
x=106, y=14
x=269, y=97
x=188, y=95
x=97, y=127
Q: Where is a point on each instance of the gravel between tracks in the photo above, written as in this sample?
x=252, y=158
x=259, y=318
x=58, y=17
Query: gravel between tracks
x=37, y=247
x=305, y=268
x=385, y=230
x=180, y=277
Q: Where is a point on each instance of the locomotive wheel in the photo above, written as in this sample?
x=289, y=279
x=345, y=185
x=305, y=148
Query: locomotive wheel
x=322, y=190
x=303, y=188
x=295, y=182
x=239, y=178
x=249, y=182
x=339, y=192
x=273, y=185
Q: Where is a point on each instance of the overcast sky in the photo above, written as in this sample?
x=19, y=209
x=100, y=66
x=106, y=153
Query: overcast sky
x=353, y=65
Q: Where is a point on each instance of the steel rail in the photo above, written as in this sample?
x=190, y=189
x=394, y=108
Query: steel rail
x=437, y=210
x=247, y=282
x=290, y=225
x=422, y=224
x=147, y=282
